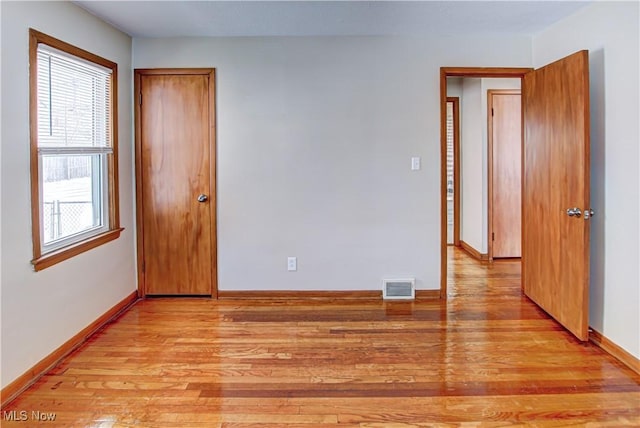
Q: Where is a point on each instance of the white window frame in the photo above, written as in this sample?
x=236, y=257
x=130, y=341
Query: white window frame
x=57, y=250
x=104, y=200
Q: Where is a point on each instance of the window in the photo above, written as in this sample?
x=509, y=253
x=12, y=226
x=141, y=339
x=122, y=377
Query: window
x=74, y=193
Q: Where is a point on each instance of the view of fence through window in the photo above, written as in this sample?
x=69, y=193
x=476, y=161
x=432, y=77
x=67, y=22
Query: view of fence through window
x=68, y=188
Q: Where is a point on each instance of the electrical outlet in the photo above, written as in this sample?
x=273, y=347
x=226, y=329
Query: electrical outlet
x=292, y=264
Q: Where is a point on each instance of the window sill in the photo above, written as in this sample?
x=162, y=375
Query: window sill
x=62, y=254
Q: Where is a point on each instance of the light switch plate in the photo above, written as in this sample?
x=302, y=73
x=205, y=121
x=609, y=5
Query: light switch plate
x=415, y=163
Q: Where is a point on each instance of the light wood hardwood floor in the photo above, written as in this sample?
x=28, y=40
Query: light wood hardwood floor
x=485, y=357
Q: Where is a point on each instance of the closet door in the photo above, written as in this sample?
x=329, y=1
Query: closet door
x=176, y=187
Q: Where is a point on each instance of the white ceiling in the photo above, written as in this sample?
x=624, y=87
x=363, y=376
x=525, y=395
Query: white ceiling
x=328, y=18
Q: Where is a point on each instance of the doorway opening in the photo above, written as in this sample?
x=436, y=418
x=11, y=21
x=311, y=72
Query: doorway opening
x=555, y=184
x=452, y=76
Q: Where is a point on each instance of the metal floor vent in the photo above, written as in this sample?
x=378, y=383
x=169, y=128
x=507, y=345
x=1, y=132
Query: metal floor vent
x=399, y=289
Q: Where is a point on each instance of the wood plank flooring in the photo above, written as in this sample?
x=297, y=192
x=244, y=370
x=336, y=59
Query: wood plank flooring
x=486, y=357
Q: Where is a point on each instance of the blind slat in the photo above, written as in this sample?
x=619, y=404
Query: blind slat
x=74, y=150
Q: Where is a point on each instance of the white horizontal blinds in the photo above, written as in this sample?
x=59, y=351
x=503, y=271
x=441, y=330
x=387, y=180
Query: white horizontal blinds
x=73, y=104
x=450, y=140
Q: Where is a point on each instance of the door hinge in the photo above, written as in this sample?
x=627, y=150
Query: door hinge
x=491, y=111
x=140, y=98
x=493, y=236
x=143, y=266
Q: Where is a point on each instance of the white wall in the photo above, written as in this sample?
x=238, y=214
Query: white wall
x=40, y=311
x=472, y=165
x=474, y=215
x=315, y=136
x=609, y=30
x=454, y=86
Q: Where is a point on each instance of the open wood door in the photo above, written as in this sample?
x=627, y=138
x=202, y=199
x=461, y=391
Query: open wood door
x=555, y=206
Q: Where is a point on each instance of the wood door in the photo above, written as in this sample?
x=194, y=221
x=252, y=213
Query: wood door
x=176, y=193
x=505, y=165
x=555, y=256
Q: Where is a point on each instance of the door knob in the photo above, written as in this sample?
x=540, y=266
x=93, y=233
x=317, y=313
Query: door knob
x=203, y=198
x=574, y=212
